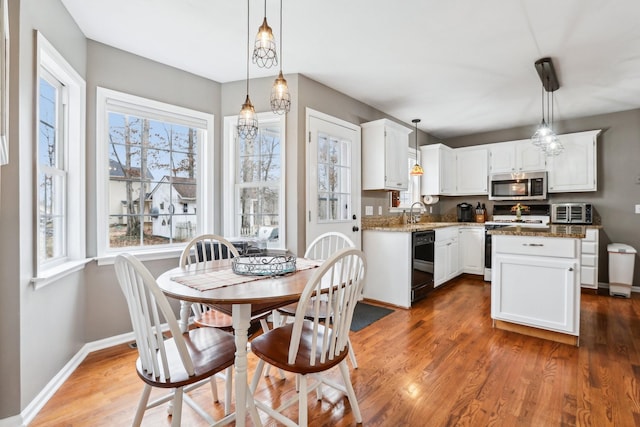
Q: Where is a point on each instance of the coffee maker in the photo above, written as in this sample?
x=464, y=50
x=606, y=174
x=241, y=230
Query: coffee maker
x=465, y=212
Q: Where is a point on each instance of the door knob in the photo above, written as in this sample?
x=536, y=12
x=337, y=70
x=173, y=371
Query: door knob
x=355, y=228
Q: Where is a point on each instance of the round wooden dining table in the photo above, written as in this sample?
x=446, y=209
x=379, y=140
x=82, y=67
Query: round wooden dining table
x=206, y=284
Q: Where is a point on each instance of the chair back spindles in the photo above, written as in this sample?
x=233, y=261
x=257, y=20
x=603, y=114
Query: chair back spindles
x=146, y=302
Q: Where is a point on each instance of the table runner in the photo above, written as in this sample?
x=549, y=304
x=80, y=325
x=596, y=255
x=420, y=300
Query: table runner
x=223, y=277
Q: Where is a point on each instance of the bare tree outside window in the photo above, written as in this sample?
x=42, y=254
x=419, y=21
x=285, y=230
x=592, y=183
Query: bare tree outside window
x=152, y=169
x=259, y=172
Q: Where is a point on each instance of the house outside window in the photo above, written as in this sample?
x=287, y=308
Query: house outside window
x=154, y=171
x=254, y=182
x=60, y=172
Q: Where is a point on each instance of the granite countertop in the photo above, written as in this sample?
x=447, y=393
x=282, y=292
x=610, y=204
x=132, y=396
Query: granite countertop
x=553, y=230
x=420, y=226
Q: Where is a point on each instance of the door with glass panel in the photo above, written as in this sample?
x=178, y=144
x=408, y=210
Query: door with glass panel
x=333, y=178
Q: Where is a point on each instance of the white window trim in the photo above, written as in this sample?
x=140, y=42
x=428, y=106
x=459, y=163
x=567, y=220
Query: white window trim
x=49, y=58
x=415, y=156
x=229, y=172
x=111, y=100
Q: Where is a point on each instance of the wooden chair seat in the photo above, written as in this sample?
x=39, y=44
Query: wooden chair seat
x=211, y=351
x=270, y=349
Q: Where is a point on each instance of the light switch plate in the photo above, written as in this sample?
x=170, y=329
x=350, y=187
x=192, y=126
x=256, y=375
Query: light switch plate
x=638, y=209
x=368, y=210
x=379, y=210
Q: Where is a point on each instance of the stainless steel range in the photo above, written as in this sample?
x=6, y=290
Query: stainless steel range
x=535, y=216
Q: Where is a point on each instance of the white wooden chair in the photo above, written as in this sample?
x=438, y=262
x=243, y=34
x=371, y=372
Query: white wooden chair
x=316, y=344
x=180, y=363
x=322, y=248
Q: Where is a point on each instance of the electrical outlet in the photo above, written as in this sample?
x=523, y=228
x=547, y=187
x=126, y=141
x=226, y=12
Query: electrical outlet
x=638, y=209
x=379, y=210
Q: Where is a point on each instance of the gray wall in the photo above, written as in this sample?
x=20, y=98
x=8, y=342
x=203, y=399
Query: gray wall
x=618, y=168
x=50, y=319
x=106, y=313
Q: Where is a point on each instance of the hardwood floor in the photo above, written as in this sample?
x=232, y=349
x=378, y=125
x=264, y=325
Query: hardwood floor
x=438, y=364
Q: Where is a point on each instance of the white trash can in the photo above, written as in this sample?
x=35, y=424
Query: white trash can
x=621, y=260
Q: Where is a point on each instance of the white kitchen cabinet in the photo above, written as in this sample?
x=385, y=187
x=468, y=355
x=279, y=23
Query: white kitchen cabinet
x=535, y=282
x=515, y=156
x=471, y=171
x=385, y=149
x=589, y=259
x=471, y=247
x=439, y=163
x=446, y=255
x=388, y=277
x=575, y=168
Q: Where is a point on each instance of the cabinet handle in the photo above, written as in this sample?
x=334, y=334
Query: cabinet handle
x=533, y=244
x=570, y=268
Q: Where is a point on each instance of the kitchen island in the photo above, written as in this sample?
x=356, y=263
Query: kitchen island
x=399, y=273
x=535, y=281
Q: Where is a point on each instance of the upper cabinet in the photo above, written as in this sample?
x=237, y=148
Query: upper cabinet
x=454, y=172
x=515, y=156
x=575, y=168
x=439, y=163
x=385, y=150
x=471, y=170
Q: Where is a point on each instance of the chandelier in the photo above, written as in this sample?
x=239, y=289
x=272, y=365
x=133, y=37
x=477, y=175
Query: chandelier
x=280, y=98
x=247, y=121
x=416, y=170
x=544, y=137
x=264, y=48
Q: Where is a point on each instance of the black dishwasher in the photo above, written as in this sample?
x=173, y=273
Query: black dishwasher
x=422, y=264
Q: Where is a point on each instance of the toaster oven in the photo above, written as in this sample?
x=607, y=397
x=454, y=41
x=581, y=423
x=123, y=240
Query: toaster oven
x=572, y=213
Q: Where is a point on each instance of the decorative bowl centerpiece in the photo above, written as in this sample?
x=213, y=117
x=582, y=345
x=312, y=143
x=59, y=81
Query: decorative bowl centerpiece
x=264, y=264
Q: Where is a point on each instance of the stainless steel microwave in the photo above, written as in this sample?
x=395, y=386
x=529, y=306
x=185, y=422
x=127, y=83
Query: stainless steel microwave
x=518, y=186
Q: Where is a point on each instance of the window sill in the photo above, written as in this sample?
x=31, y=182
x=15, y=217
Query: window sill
x=56, y=273
x=142, y=255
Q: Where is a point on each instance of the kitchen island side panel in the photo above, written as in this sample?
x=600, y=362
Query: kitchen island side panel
x=388, y=277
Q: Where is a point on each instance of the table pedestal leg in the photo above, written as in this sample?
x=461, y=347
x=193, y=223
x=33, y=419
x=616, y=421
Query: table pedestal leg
x=183, y=322
x=241, y=315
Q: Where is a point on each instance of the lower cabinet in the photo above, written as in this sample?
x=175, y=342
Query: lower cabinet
x=589, y=259
x=446, y=255
x=536, y=282
x=388, y=276
x=471, y=244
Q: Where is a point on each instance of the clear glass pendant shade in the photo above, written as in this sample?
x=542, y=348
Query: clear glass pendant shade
x=280, y=98
x=264, y=48
x=247, y=121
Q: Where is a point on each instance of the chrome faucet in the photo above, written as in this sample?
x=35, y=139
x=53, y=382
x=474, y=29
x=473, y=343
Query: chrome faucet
x=412, y=217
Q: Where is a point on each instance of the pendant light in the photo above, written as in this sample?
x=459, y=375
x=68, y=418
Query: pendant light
x=280, y=99
x=544, y=137
x=247, y=120
x=416, y=170
x=264, y=49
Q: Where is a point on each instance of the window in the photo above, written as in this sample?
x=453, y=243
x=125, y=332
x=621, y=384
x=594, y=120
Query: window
x=402, y=200
x=254, y=181
x=155, y=176
x=60, y=148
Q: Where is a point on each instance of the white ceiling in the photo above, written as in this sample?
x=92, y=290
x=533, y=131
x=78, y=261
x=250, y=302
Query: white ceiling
x=462, y=66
